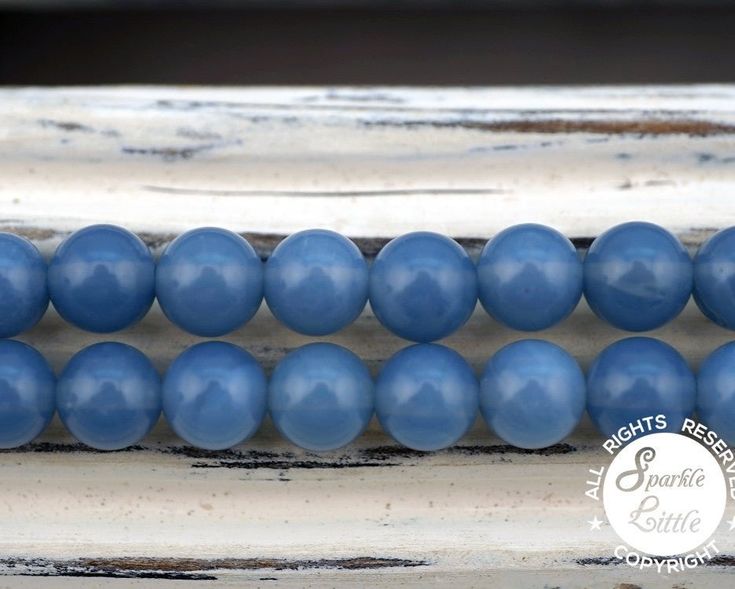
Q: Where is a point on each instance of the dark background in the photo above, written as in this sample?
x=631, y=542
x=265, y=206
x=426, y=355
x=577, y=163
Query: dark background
x=592, y=42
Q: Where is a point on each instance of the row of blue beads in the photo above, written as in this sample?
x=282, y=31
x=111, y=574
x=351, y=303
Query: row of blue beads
x=321, y=396
x=422, y=286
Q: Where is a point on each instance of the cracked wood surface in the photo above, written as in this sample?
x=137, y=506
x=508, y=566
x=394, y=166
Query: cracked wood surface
x=371, y=163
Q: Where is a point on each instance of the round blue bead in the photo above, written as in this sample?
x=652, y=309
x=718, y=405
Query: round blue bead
x=109, y=396
x=714, y=278
x=532, y=394
x=530, y=277
x=209, y=281
x=716, y=392
x=316, y=282
x=23, y=289
x=637, y=276
x=426, y=397
x=423, y=286
x=102, y=278
x=321, y=397
x=214, y=395
x=639, y=377
x=27, y=389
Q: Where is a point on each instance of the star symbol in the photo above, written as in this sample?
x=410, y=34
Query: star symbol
x=596, y=523
x=732, y=523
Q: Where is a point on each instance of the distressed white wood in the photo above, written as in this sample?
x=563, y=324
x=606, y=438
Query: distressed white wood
x=371, y=163
x=463, y=162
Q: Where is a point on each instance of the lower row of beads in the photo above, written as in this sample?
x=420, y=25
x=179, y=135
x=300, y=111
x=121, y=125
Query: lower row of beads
x=321, y=396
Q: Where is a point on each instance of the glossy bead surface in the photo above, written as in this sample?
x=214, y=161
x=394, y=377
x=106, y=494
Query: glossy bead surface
x=716, y=392
x=316, y=282
x=423, y=286
x=637, y=276
x=639, y=377
x=23, y=288
x=109, y=396
x=532, y=394
x=530, y=277
x=321, y=396
x=102, y=278
x=209, y=281
x=714, y=278
x=27, y=389
x=426, y=397
x=214, y=395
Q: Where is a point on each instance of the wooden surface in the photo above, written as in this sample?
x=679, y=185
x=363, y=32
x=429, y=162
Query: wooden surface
x=371, y=163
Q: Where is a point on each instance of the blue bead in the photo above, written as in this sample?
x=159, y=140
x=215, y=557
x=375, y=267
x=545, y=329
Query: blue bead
x=109, y=396
x=716, y=392
x=209, y=281
x=214, y=395
x=102, y=278
x=426, y=397
x=316, y=282
x=532, y=394
x=321, y=397
x=423, y=286
x=714, y=278
x=639, y=377
x=23, y=290
x=530, y=277
x=27, y=389
x=637, y=276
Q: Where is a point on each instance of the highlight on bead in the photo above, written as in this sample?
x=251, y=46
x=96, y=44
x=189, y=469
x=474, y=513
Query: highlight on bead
x=316, y=282
x=716, y=392
x=423, y=286
x=23, y=285
x=529, y=277
x=637, y=276
x=320, y=396
x=532, y=393
x=426, y=397
x=102, y=278
x=214, y=395
x=638, y=377
x=109, y=396
x=27, y=393
x=209, y=281
x=714, y=276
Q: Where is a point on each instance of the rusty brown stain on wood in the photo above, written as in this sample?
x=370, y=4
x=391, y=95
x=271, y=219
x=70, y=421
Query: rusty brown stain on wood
x=242, y=564
x=656, y=127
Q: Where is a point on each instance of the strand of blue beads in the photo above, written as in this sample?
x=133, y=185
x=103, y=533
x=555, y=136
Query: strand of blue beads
x=321, y=396
x=422, y=286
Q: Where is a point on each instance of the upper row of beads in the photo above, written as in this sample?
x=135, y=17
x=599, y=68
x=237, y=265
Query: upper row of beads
x=422, y=286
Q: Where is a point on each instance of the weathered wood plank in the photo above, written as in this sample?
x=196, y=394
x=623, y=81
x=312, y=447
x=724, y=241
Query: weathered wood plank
x=371, y=163
x=463, y=162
